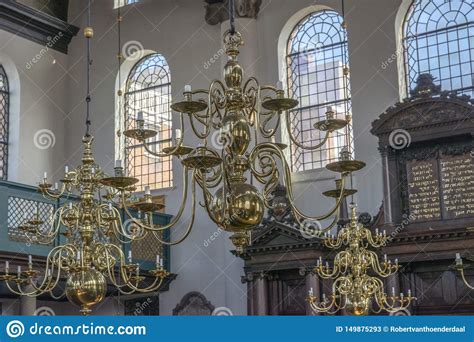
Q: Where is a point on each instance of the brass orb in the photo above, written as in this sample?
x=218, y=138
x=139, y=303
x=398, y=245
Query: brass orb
x=233, y=74
x=358, y=306
x=236, y=133
x=86, y=288
x=245, y=207
x=88, y=32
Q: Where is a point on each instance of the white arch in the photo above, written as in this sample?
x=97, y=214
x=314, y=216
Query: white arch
x=125, y=69
x=14, y=116
x=399, y=34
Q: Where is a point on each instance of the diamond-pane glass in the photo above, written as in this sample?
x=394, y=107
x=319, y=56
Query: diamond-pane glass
x=21, y=210
x=439, y=40
x=149, y=91
x=4, y=116
x=316, y=59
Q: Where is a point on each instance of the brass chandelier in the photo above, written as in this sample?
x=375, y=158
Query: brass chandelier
x=246, y=117
x=357, y=287
x=92, y=255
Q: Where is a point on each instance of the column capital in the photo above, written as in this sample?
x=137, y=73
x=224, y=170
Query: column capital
x=217, y=10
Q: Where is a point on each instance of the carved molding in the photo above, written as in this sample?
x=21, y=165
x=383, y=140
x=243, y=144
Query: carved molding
x=193, y=304
x=36, y=26
x=217, y=10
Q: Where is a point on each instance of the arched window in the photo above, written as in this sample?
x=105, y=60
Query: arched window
x=317, y=75
x=4, y=115
x=439, y=40
x=148, y=89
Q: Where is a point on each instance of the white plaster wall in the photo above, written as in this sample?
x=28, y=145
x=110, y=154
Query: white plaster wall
x=38, y=103
x=177, y=30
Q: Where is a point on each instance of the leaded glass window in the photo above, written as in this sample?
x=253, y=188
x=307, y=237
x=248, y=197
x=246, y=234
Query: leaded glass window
x=4, y=116
x=439, y=40
x=148, y=90
x=317, y=59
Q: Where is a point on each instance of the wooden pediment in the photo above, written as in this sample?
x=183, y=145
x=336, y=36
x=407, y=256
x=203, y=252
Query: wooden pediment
x=427, y=118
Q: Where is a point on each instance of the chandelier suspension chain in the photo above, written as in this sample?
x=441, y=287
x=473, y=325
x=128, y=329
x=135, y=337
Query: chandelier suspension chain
x=232, y=16
x=89, y=62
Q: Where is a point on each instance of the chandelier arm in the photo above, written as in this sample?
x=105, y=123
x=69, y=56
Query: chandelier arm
x=270, y=132
x=122, y=268
x=51, y=234
x=388, y=270
x=300, y=145
x=271, y=149
x=253, y=105
x=209, y=198
x=119, y=232
x=382, y=240
x=46, y=285
x=463, y=277
x=128, y=281
x=160, y=154
x=191, y=221
x=175, y=218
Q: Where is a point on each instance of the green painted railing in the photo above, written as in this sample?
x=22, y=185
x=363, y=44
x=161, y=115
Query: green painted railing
x=18, y=202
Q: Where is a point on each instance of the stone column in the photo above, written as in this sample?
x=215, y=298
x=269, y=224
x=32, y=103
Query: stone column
x=27, y=304
x=312, y=282
x=261, y=295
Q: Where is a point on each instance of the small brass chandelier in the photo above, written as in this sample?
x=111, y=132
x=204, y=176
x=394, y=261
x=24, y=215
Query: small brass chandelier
x=92, y=255
x=357, y=287
x=245, y=116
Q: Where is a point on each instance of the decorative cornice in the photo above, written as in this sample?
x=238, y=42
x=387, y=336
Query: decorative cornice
x=36, y=26
x=217, y=10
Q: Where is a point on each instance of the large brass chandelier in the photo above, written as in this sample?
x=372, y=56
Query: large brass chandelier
x=357, y=287
x=238, y=175
x=92, y=256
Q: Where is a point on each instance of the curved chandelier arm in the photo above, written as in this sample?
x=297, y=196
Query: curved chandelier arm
x=336, y=303
x=179, y=143
x=49, y=281
x=151, y=227
x=337, y=241
x=270, y=149
x=463, y=276
x=130, y=280
x=387, y=269
x=209, y=198
x=216, y=100
x=53, y=226
x=297, y=143
x=379, y=241
x=191, y=220
x=392, y=303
